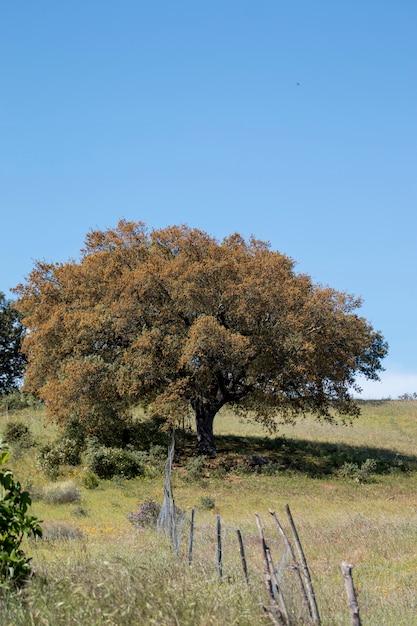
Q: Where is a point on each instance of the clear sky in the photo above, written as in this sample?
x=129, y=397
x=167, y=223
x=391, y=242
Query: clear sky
x=293, y=121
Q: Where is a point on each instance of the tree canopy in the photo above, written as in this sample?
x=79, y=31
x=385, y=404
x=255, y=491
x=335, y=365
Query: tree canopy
x=176, y=321
x=12, y=361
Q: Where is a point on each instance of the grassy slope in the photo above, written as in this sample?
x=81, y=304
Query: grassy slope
x=371, y=525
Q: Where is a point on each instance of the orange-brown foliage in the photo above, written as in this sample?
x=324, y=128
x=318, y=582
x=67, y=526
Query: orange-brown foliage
x=173, y=318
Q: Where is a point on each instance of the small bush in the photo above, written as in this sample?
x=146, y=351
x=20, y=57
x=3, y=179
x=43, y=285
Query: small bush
x=79, y=511
x=61, y=531
x=360, y=474
x=146, y=516
x=18, y=432
x=271, y=469
x=49, y=459
x=70, y=450
x=207, y=503
x=61, y=493
x=51, y=456
x=153, y=460
x=219, y=472
x=90, y=480
x=195, y=467
x=108, y=462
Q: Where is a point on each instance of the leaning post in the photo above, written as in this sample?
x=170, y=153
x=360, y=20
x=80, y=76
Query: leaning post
x=351, y=594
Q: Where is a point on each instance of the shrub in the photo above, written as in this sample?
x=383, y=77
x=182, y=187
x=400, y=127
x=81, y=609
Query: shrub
x=16, y=432
x=195, y=467
x=75, y=431
x=109, y=462
x=59, y=531
x=207, y=502
x=219, y=472
x=61, y=493
x=51, y=456
x=271, y=469
x=146, y=516
x=153, y=460
x=79, y=511
x=15, y=524
x=70, y=450
x=90, y=480
x=49, y=459
x=360, y=474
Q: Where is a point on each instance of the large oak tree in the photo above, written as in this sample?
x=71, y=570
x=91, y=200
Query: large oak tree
x=176, y=321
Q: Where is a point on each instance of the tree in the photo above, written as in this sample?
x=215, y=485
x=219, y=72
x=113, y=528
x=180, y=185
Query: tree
x=175, y=321
x=12, y=361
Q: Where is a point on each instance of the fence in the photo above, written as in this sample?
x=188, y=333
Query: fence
x=282, y=605
x=288, y=585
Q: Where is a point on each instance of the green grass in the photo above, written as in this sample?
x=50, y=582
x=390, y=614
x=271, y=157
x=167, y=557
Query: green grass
x=111, y=573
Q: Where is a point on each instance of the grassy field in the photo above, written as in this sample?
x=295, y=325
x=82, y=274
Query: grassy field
x=352, y=492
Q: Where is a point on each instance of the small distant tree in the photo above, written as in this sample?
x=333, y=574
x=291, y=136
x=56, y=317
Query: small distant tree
x=408, y=396
x=12, y=360
x=176, y=321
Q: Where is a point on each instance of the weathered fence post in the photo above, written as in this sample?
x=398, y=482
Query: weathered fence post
x=295, y=566
x=190, y=546
x=219, y=547
x=306, y=573
x=351, y=594
x=169, y=518
x=242, y=555
x=277, y=588
x=277, y=616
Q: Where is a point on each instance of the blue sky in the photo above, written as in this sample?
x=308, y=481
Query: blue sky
x=293, y=121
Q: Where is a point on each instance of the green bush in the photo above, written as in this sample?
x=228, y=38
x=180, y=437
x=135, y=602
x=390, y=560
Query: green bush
x=90, y=480
x=71, y=451
x=108, y=462
x=18, y=433
x=195, y=467
x=207, y=503
x=49, y=459
x=15, y=524
x=51, y=456
x=153, y=460
x=360, y=474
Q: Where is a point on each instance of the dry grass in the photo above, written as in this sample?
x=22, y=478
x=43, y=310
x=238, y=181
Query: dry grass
x=117, y=575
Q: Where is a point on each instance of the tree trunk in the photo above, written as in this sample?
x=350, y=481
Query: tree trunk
x=204, y=417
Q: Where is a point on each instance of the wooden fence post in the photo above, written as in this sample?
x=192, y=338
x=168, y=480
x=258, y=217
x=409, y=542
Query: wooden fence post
x=295, y=566
x=219, y=547
x=351, y=594
x=242, y=555
x=307, y=578
x=190, y=547
x=277, y=617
